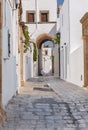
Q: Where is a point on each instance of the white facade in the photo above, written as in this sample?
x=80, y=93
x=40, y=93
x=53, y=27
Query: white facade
x=28, y=64
x=71, y=47
x=56, y=60
x=37, y=27
x=9, y=47
x=47, y=60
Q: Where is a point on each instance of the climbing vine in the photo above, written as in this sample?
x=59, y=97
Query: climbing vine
x=52, y=57
x=28, y=41
x=35, y=55
x=27, y=38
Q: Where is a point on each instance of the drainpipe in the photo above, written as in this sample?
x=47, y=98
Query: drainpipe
x=35, y=18
x=36, y=13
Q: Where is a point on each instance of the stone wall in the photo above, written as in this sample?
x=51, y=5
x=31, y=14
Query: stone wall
x=84, y=22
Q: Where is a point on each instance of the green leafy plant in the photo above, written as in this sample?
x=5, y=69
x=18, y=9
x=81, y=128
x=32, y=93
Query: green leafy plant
x=52, y=58
x=56, y=39
x=35, y=55
x=28, y=41
x=27, y=38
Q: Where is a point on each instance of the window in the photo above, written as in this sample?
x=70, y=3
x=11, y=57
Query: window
x=30, y=17
x=46, y=52
x=9, y=44
x=44, y=16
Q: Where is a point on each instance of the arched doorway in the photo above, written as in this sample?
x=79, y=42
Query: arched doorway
x=45, y=54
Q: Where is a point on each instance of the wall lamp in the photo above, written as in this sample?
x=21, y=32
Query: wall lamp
x=16, y=4
x=64, y=43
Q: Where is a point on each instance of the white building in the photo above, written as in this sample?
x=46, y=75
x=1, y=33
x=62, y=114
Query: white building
x=71, y=47
x=40, y=16
x=9, y=49
x=47, y=60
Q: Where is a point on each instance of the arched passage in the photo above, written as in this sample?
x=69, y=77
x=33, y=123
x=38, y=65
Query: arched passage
x=41, y=39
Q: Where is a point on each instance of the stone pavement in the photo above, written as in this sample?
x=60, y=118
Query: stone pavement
x=47, y=103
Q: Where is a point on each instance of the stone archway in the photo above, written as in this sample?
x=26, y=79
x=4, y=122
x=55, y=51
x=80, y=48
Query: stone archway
x=40, y=40
x=84, y=22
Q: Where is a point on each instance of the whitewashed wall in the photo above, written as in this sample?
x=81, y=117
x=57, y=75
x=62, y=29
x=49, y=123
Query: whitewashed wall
x=27, y=67
x=35, y=69
x=28, y=64
x=58, y=24
x=15, y=33
x=76, y=39
x=9, y=78
x=47, y=60
x=65, y=39
x=71, y=34
x=56, y=61
x=37, y=6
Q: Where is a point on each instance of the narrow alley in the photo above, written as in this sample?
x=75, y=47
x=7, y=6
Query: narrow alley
x=43, y=65
x=48, y=103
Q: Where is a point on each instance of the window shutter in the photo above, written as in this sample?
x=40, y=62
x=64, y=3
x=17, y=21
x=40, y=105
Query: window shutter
x=44, y=17
x=30, y=17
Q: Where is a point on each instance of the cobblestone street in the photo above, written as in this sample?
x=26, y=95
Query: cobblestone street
x=47, y=103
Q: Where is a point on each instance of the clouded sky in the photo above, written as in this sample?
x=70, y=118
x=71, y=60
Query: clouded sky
x=60, y=1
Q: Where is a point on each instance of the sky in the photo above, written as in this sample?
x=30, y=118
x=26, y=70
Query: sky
x=60, y=1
